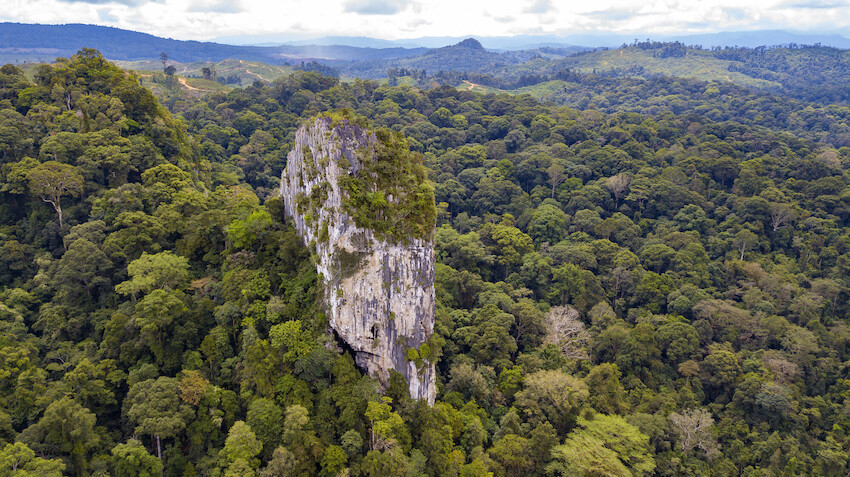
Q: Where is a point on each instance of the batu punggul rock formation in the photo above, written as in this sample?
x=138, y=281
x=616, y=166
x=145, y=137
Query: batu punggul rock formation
x=361, y=199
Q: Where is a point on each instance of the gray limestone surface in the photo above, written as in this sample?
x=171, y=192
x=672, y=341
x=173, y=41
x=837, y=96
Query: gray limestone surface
x=379, y=295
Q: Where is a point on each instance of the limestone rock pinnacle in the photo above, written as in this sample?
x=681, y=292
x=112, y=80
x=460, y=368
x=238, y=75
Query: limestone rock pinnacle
x=360, y=198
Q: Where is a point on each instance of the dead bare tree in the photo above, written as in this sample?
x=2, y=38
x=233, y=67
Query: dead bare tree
x=618, y=185
x=565, y=330
x=780, y=214
x=693, y=428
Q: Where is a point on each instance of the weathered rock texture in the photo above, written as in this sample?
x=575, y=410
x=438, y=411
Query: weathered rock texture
x=379, y=294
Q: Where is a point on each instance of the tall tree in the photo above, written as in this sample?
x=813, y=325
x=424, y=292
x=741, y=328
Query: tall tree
x=605, y=445
x=19, y=460
x=163, y=270
x=52, y=180
x=242, y=445
x=68, y=427
x=618, y=185
x=154, y=406
x=694, y=428
x=133, y=459
x=565, y=330
x=554, y=396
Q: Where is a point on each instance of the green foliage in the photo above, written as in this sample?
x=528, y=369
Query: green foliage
x=241, y=444
x=68, y=428
x=82, y=268
x=133, y=459
x=244, y=233
x=155, y=408
x=511, y=454
x=163, y=270
x=264, y=418
x=387, y=427
x=290, y=337
x=552, y=396
x=606, y=445
x=299, y=436
x=18, y=459
x=548, y=224
x=390, y=194
x=333, y=461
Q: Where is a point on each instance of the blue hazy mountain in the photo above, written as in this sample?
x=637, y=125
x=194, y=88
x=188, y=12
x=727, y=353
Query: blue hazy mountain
x=19, y=41
x=748, y=39
x=752, y=39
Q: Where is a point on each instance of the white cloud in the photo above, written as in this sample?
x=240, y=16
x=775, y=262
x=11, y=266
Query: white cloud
x=392, y=19
x=216, y=6
x=540, y=7
x=129, y=3
x=377, y=7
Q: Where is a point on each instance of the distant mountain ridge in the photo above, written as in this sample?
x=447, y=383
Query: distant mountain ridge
x=115, y=43
x=35, y=42
x=45, y=42
x=25, y=42
x=468, y=55
x=749, y=39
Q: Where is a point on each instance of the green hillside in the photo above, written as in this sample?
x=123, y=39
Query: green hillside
x=233, y=72
x=696, y=64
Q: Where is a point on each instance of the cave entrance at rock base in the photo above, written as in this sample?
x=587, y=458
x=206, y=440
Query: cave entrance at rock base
x=346, y=348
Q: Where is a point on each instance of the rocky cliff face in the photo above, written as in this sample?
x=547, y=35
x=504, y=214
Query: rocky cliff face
x=375, y=254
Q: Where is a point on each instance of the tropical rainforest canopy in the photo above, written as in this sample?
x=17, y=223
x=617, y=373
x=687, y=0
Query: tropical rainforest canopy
x=622, y=288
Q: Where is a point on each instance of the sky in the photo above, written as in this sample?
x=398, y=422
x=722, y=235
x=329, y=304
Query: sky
x=400, y=19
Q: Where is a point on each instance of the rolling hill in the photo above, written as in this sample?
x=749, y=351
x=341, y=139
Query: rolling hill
x=21, y=42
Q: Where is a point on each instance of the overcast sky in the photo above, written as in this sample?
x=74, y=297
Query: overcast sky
x=397, y=19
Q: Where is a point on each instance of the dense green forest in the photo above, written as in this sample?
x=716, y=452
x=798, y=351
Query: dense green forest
x=805, y=72
x=715, y=101
x=622, y=293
